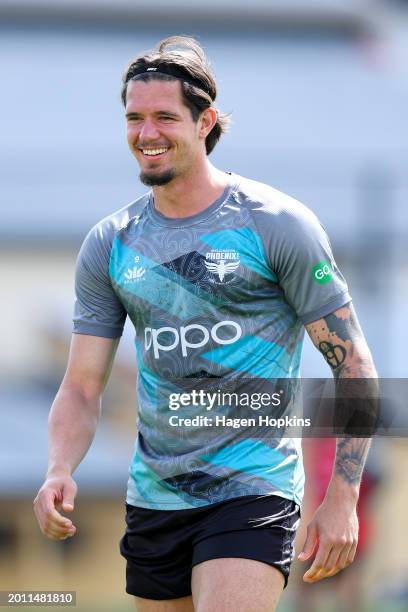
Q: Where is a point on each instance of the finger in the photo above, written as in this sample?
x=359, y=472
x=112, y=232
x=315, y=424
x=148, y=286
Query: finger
x=332, y=564
x=336, y=561
x=332, y=573
x=50, y=518
x=57, y=535
x=58, y=532
x=46, y=503
x=52, y=534
x=46, y=513
x=56, y=519
x=344, y=556
x=319, y=564
x=50, y=530
x=310, y=543
x=68, y=493
x=352, y=553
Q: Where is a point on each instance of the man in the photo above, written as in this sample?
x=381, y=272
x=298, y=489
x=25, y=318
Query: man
x=219, y=275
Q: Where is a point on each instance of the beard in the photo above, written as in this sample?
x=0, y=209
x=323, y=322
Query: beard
x=157, y=179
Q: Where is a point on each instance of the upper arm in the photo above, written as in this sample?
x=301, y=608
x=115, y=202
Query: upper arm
x=89, y=364
x=299, y=253
x=98, y=310
x=339, y=338
x=99, y=316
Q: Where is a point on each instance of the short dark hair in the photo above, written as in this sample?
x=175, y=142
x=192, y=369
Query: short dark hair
x=187, y=55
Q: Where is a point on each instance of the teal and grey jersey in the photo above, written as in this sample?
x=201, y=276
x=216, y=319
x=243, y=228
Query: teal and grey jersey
x=221, y=295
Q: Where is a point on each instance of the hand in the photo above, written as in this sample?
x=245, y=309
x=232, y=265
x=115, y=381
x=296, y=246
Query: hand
x=334, y=529
x=56, y=494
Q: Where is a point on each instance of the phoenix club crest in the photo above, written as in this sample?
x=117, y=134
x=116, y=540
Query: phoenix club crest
x=221, y=268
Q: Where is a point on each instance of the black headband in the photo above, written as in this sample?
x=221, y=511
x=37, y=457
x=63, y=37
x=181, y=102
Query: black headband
x=173, y=71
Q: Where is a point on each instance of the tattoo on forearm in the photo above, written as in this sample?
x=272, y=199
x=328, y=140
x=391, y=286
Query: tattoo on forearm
x=341, y=327
x=351, y=454
x=334, y=354
x=338, y=337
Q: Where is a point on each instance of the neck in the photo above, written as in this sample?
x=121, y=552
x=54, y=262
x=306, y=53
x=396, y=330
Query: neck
x=190, y=194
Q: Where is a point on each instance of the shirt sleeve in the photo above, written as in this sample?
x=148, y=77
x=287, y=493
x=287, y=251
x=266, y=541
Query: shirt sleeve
x=97, y=310
x=302, y=258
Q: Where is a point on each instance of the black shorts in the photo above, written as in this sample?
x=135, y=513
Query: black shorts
x=162, y=546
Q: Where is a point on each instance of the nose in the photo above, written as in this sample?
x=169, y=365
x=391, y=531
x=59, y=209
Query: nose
x=148, y=132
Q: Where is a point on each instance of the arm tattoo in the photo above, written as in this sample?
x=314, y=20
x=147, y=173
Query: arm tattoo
x=339, y=338
x=334, y=354
x=341, y=327
x=351, y=454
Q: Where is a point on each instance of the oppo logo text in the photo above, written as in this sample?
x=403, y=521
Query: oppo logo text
x=189, y=337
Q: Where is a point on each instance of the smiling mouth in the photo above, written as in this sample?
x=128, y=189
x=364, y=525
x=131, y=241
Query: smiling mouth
x=157, y=152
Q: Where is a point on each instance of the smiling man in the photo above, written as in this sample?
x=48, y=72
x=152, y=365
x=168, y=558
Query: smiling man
x=220, y=275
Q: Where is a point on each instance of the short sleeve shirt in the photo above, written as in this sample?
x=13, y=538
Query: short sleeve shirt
x=223, y=294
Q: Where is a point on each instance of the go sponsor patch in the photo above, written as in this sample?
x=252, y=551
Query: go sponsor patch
x=322, y=272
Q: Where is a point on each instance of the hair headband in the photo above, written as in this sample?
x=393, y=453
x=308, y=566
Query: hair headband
x=173, y=71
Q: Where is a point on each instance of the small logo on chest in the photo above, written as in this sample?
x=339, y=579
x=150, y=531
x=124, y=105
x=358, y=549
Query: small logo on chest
x=135, y=274
x=221, y=265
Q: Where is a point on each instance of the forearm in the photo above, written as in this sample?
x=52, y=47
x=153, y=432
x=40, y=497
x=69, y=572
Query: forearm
x=351, y=455
x=356, y=408
x=335, y=524
x=339, y=338
x=71, y=428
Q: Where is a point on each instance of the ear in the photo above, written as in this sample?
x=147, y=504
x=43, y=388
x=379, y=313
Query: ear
x=207, y=121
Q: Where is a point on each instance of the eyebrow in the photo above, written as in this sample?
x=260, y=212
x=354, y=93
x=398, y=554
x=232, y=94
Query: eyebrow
x=160, y=112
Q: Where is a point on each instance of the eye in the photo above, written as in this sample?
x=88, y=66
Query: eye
x=166, y=118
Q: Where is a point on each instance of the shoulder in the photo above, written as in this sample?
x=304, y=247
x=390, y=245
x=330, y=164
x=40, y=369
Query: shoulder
x=103, y=233
x=267, y=204
x=108, y=227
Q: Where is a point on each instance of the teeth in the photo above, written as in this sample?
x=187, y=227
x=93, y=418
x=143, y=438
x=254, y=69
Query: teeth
x=154, y=151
